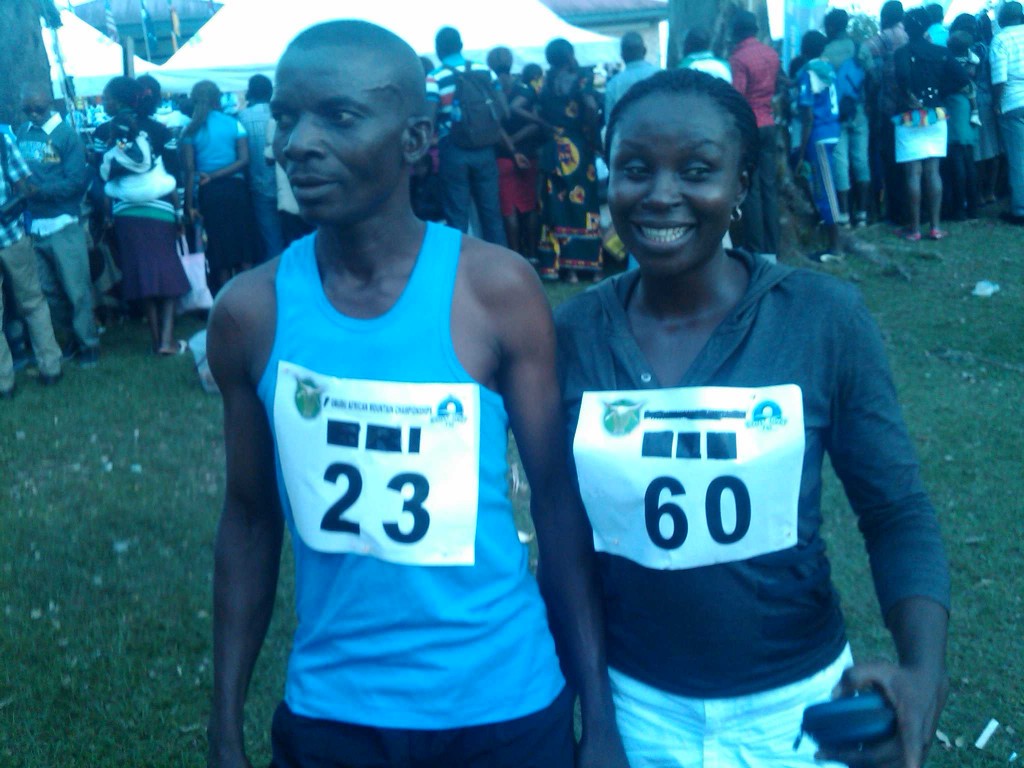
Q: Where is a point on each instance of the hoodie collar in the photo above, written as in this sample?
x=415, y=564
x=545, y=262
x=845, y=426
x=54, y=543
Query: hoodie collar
x=51, y=125
x=764, y=276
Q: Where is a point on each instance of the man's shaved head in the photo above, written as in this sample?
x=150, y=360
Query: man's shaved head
x=361, y=37
x=632, y=47
x=351, y=109
x=36, y=90
x=37, y=102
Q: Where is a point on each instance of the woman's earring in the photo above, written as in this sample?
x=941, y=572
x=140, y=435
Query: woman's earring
x=736, y=215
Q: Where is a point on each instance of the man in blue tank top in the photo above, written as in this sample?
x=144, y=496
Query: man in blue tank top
x=369, y=376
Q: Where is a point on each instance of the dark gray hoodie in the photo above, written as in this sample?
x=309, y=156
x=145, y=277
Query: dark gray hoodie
x=57, y=161
x=743, y=627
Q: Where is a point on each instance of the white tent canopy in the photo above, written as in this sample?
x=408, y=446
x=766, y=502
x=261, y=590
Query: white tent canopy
x=90, y=57
x=247, y=37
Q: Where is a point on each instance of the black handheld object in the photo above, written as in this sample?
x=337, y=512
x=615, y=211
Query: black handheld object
x=850, y=721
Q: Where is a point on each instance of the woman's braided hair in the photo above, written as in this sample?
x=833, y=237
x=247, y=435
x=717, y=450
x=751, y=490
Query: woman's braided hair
x=690, y=81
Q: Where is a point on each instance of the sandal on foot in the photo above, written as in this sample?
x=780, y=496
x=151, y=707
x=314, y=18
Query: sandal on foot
x=937, y=234
x=907, y=234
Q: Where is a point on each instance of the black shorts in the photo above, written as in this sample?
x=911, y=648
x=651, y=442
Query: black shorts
x=541, y=740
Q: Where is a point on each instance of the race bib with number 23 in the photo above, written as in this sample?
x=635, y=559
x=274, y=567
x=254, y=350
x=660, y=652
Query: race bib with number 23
x=379, y=468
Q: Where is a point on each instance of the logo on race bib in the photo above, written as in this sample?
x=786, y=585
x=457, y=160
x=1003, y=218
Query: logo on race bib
x=449, y=412
x=621, y=417
x=766, y=416
x=307, y=397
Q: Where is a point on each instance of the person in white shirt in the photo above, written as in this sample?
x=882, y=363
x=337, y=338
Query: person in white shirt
x=1007, y=59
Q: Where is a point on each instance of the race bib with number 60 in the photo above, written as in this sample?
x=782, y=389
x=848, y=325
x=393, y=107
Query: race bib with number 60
x=380, y=468
x=691, y=476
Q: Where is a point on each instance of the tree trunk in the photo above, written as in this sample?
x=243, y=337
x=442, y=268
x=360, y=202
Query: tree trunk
x=22, y=56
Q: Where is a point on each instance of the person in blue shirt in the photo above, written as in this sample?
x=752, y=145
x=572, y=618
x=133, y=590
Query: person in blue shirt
x=215, y=152
x=937, y=32
x=820, y=129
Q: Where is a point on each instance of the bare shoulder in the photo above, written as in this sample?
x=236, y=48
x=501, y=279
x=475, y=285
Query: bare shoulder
x=499, y=311
x=497, y=277
x=243, y=320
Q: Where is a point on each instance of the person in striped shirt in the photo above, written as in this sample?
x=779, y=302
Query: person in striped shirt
x=18, y=268
x=468, y=175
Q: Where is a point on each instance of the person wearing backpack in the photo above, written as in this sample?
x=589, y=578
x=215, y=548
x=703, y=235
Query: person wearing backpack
x=851, y=153
x=469, y=107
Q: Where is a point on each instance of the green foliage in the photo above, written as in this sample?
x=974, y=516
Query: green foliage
x=862, y=26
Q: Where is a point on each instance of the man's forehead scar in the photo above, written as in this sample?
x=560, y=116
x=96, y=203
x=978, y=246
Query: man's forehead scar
x=389, y=86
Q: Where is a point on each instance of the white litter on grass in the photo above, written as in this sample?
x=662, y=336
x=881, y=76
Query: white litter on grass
x=986, y=734
x=197, y=346
x=985, y=288
x=136, y=469
x=943, y=739
x=121, y=546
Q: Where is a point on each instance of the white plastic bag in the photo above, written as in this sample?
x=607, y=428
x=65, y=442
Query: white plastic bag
x=199, y=297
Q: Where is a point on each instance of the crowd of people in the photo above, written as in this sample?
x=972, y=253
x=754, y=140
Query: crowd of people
x=873, y=128
x=912, y=122
x=671, y=426
x=142, y=187
x=917, y=122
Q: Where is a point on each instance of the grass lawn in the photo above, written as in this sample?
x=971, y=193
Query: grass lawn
x=113, y=482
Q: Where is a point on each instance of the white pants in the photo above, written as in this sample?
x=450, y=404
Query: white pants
x=663, y=730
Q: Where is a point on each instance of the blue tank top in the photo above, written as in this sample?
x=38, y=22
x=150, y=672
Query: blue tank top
x=381, y=641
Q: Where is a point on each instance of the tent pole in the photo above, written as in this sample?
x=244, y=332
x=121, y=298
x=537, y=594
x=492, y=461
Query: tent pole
x=66, y=88
x=128, y=53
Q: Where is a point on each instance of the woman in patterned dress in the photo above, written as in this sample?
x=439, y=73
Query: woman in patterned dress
x=570, y=240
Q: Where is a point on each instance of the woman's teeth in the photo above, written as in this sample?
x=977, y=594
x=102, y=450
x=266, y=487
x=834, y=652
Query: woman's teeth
x=663, y=234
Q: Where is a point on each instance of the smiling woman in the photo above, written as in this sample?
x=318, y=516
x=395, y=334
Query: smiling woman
x=736, y=376
x=675, y=184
